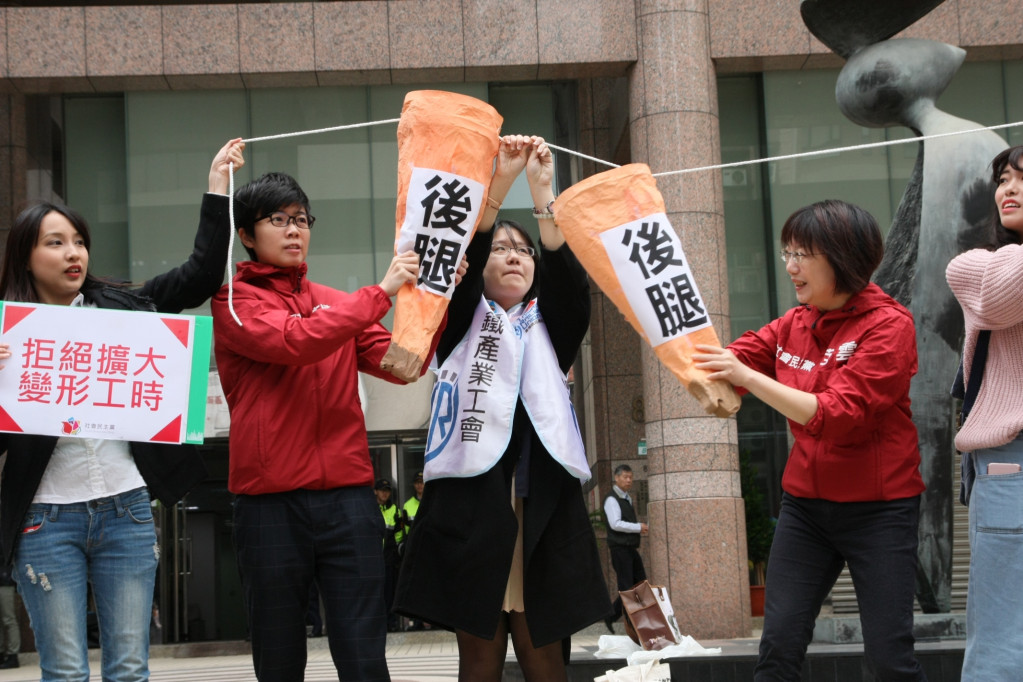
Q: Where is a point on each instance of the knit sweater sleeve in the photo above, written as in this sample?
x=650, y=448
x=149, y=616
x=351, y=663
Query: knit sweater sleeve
x=989, y=286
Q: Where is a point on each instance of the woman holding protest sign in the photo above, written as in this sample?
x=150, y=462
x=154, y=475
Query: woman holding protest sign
x=76, y=511
x=502, y=543
x=838, y=366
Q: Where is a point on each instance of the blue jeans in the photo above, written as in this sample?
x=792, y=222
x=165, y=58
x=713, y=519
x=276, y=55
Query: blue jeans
x=110, y=543
x=812, y=540
x=994, y=604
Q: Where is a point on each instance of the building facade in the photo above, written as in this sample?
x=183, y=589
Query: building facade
x=117, y=110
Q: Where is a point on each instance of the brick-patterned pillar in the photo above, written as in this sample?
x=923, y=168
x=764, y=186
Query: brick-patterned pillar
x=697, y=540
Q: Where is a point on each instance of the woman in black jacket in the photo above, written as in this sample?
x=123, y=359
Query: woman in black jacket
x=76, y=511
x=503, y=543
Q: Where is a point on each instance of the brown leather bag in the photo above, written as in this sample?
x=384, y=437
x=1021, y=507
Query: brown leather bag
x=645, y=621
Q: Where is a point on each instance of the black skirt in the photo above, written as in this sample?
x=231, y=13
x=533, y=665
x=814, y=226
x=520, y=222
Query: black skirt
x=458, y=556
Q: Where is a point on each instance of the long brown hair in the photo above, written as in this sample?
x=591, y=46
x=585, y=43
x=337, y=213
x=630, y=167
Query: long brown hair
x=16, y=281
x=1013, y=156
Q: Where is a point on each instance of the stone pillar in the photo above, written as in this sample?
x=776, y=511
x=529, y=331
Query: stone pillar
x=697, y=542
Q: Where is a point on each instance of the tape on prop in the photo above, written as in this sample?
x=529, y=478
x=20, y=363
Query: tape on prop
x=615, y=224
x=447, y=143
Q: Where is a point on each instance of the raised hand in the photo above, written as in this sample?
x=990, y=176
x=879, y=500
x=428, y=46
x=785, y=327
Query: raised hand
x=512, y=155
x=230, y=153
x=540, y=165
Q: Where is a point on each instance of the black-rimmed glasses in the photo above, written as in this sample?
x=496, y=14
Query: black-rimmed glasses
x=303, y=221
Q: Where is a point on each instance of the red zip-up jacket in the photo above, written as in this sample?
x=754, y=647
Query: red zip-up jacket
x=290, y=377
x=862, y=444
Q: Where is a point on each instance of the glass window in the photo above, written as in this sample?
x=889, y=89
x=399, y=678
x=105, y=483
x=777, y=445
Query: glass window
x=527, y=110
x=748, y=237
x=1011, y=73
x=96, y=172
x=171, y=138
x=801, y=116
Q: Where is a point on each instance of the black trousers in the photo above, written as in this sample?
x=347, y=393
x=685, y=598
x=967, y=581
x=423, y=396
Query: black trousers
x=629, y=570
x=813, y=540
x=287, y=540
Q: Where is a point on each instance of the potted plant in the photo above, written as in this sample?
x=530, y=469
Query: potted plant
x=759, y=531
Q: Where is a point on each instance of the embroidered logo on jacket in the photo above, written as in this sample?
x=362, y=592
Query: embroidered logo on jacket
x=845, y=351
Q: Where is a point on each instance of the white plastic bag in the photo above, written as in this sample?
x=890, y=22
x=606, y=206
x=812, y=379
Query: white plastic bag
x=687, y=647
x=615, y=646
x=651, y=671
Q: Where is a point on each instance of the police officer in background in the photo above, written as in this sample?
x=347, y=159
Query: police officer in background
x=394, y=533
x=623, y=533
x=411, y=506
x=408, y=512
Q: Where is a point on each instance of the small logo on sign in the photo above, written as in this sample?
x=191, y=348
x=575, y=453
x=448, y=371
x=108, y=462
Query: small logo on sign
x=71, y=427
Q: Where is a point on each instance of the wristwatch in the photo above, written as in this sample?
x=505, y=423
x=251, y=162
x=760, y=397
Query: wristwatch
x=547, y=212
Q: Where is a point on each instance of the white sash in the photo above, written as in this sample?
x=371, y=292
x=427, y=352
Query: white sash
x=477, y=387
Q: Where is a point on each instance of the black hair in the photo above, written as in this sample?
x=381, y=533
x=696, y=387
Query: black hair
x=1013, y=156
x=261, y=197
x=622, y=468
x=16, y=281
x=506, y=224
x=845, y=234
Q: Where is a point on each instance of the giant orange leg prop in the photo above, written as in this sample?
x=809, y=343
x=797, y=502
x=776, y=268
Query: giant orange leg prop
x=616, y=226
x=447, y=143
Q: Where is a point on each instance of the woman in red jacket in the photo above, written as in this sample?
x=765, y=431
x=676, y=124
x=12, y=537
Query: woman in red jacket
x=838, y=366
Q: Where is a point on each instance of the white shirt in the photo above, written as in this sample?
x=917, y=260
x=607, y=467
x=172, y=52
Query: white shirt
x=83, y=469
x=614, y=513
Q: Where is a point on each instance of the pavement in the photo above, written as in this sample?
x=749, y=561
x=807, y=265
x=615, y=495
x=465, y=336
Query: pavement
x=427, y=656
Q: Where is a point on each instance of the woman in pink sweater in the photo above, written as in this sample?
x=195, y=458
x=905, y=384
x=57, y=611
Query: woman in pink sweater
x=988, y=284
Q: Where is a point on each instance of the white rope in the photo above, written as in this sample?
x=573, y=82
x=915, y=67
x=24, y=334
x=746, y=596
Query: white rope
x=735, y=164
x=837, y=150
x=230, y=243
x=787, y=157
x=582, y=156
x=321, y=130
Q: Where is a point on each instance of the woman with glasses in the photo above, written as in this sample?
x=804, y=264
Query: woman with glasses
x=988, y=283
x=75, y=512
x=838, y=367
x=502, y=543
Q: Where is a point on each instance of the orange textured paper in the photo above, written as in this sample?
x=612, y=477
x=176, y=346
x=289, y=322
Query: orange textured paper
x=449, y=132
x=606, y=201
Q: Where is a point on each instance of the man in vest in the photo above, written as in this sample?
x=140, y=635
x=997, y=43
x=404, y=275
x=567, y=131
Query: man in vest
x=408, y=512
x=623, y=533
x=393, y=534
x=411, y=506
